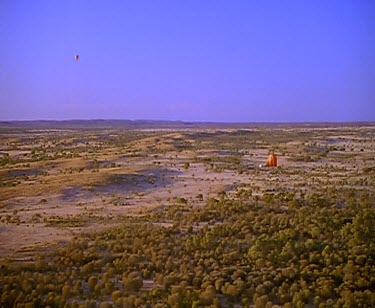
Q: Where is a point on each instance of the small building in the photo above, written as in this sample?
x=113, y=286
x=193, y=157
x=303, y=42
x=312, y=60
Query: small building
x=272, y=160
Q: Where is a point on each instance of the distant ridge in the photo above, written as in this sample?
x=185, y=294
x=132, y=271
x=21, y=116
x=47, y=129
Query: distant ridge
x=154, y=124
x=95, y=123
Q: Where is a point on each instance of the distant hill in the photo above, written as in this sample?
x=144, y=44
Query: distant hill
x=92, y=124
x=158, y=124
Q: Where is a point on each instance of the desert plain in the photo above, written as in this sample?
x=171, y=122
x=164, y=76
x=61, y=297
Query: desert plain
x=187, y=215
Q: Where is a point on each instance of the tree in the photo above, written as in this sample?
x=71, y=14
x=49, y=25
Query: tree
x=133, y=282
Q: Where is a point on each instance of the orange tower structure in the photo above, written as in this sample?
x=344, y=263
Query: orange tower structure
x=272, y=160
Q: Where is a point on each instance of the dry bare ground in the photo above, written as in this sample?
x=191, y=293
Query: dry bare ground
x=55, y=184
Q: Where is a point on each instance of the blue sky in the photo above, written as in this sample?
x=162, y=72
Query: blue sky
x=228, y=61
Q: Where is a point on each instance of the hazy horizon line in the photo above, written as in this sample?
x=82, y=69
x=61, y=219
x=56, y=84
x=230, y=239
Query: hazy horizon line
x=183, y=121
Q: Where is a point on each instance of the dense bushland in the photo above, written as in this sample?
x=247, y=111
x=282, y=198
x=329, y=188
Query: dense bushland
x=231, y=251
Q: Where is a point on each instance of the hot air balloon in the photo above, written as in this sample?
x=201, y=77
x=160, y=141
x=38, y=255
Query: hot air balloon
x=76, y=57
x=272, y=160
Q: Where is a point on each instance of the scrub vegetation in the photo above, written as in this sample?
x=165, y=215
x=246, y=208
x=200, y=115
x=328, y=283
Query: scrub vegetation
x=187, y=218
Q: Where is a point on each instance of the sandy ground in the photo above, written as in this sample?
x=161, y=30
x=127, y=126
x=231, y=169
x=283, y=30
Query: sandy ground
x=49, y=201
x=31, y=216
